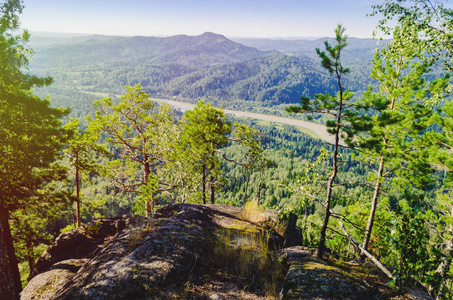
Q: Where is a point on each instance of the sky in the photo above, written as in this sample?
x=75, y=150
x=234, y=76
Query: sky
x=232, y=18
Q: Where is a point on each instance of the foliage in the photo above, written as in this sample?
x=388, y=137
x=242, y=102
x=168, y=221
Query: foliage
x=161, y=161
x=254, y=157
x=31, y=136
x=400, y=113
x=83, y=153
x=345, y=123
x=144, y=140
x=426, y=27
x=408, y=242
x=204, y=131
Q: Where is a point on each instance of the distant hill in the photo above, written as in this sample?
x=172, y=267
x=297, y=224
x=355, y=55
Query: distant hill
x=357, y=55
x=202, y=50
x=363, y=47
x=209, y=66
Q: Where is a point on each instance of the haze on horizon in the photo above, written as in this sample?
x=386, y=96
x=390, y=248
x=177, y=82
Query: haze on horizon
x=232, y=18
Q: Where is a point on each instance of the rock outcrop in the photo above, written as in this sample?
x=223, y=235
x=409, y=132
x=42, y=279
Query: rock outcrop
x=79, y=243
x=190, y=252
x=311, y=278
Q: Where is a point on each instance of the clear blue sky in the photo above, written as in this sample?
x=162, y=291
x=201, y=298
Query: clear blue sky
x=233, y=18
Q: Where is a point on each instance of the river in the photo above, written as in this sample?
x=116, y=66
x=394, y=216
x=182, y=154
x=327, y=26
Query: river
x=318, y=129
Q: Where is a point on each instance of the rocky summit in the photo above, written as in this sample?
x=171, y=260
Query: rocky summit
x=187, y=251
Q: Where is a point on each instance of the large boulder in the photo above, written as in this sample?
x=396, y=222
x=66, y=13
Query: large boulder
x=79, y=243
x=46, y=284
x=149, y=261
x=310, y=278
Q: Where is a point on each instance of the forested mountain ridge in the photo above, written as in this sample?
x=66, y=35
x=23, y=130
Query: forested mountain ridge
x=209, y=66
x=359, y=49
x=196, y=51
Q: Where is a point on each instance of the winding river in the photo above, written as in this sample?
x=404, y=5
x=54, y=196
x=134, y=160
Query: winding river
x=318, y=129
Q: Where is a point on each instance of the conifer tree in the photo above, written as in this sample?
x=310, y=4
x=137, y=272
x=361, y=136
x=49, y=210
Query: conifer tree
x=204, y=131
x=82, y=150
x=142, y=138
x=254, y=157
x=31, y=137
x=401, y=112
x=344, y=122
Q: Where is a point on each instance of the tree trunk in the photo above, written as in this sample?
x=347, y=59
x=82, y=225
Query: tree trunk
x=30, y=254
x=371, y=257
x=203, y=183
x=258, y=195
x=147, y=209
x=377, y=189
x=212, y=187
x=322, y=237
x=79, y=222
x=247, y=186
x=10, y=284
x=357, y=244
x=74, y=217
x=149, y=203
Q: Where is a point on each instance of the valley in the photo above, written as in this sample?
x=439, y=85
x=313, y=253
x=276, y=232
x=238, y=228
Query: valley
x=229, y=140
x=314, y=130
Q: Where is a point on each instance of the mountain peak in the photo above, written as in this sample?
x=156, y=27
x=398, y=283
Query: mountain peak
x=213, y=37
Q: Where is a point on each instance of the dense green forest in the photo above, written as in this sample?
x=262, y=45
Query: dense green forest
x=385, y=180
x=191, y=68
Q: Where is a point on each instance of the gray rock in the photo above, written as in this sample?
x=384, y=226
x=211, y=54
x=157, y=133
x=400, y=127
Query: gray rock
x=79, y=243
x=46, y=284
x=311, y=278
x=146, y=263
x=158, y=261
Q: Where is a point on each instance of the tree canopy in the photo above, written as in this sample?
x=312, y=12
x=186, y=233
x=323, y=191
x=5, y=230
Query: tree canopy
x=31, y=137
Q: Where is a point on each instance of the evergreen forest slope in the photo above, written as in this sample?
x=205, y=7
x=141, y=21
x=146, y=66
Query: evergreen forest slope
x=209, y=66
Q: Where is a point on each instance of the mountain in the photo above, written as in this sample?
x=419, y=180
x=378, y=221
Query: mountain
x=208, y=66
x=196, y=51
x=358, y=50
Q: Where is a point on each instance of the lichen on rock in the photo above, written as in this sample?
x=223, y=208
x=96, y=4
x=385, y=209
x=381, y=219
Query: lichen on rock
x=195, y=252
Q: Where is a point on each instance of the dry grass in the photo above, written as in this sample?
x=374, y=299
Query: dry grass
x=247, y=256
x=252, y=212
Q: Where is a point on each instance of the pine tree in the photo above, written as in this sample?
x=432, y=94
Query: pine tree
x=204, y=131
x=401, y=112
x=82, y=151
x=142, y=138
x=31, y=137
x=345, y=122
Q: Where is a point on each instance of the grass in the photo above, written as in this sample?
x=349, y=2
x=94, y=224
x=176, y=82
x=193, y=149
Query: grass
x=247, y=255
x=136, y=237
x=239, y=264
x=252, y=211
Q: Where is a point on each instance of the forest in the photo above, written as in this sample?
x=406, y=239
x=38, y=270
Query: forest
x=192, y=68
x=82, y=141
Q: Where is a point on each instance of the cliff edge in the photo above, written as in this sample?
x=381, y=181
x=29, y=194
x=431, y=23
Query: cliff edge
x=190, y=251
